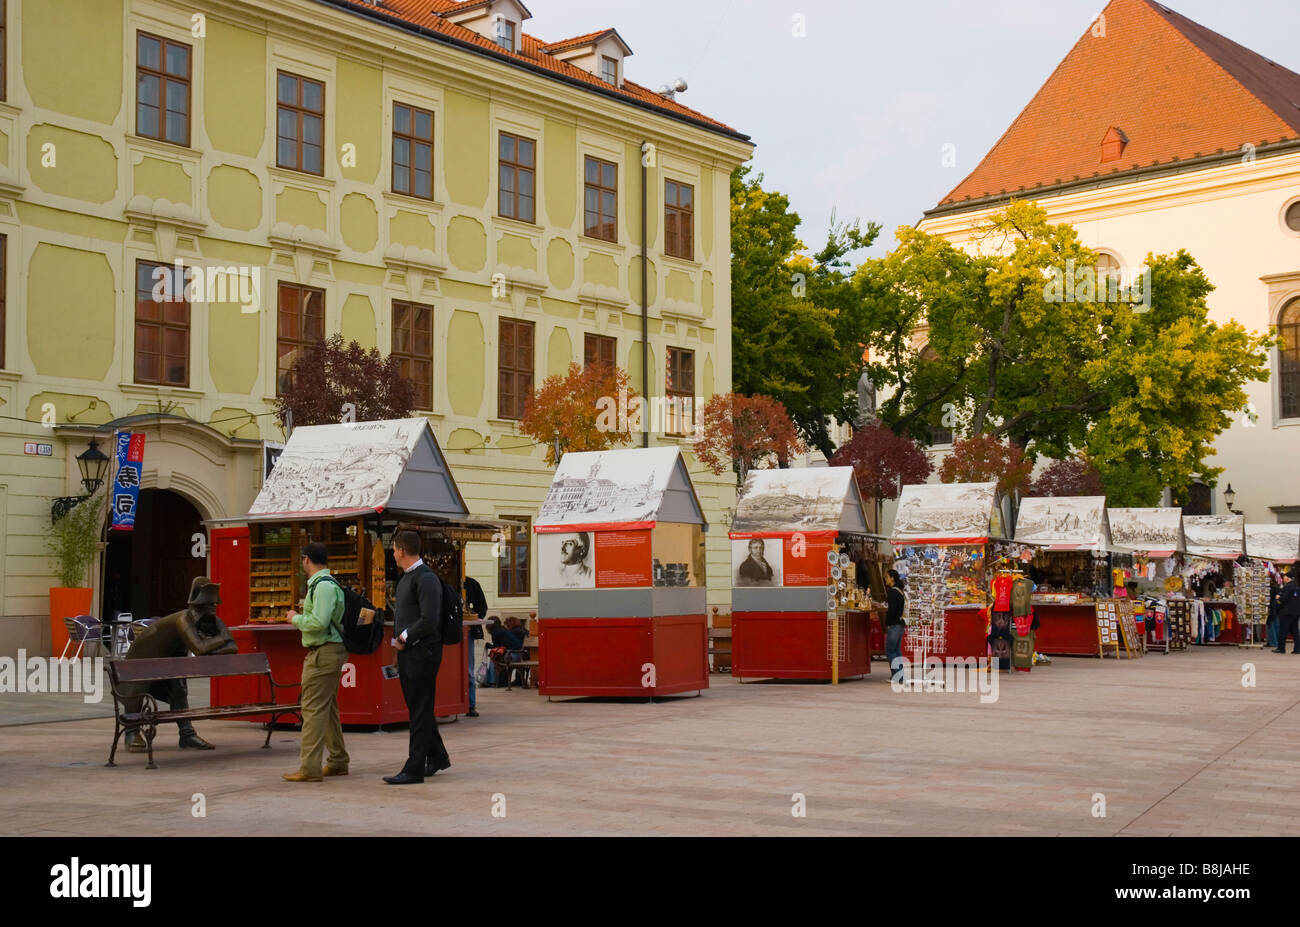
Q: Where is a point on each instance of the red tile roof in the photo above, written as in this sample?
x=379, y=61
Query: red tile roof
x=575, y=41
x=1175, y=89
x=424, y=14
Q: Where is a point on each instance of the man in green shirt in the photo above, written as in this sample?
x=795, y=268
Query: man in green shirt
x=321, y=624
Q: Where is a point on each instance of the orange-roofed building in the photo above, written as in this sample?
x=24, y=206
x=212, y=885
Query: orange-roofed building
x=1153, y=134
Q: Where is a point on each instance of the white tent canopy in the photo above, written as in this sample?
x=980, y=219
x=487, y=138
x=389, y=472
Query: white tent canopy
x=1220, y=537
x=1156, y=532
x=1064, y=522
x=617, y=488
x=1279, y=543
x=946, y=513
x=806, y=499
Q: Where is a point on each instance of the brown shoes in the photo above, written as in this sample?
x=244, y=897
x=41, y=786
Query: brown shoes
x=331, y=771
x=300, y=777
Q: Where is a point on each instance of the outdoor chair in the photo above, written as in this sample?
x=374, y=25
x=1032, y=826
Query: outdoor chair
x=81, y=629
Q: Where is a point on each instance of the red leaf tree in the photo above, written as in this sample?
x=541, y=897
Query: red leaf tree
x=985, y=459
x=590, y=408
x=1073, y=477
x=740, y=432
x=883, y=461
x=331, y=382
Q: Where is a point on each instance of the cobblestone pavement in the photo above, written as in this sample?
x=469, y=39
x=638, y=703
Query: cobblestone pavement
x=1175, y=743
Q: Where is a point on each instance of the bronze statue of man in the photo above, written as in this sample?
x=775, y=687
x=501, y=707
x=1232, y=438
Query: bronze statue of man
x=193, y=630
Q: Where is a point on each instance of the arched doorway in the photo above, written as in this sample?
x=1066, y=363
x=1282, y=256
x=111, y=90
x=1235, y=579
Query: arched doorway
x=148, y=571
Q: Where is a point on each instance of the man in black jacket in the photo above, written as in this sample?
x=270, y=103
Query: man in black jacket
x=417, y=638
x=1288, y=613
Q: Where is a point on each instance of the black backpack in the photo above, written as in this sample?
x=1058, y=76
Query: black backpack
x=451, y=627
x=357, y=637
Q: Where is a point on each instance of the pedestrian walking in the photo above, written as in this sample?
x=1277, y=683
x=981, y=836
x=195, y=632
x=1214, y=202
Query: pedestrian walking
x=1288, y=613
x=321, y=624
x=477, y=601
x=417, y=638
x=894, y=624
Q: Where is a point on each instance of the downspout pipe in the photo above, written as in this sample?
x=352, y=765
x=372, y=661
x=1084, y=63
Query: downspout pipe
x=645, y=306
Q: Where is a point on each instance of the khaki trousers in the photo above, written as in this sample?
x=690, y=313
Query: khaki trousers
x=321, y=730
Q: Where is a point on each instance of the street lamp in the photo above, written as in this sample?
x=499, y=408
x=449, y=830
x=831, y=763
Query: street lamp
x=93, y=465
x=1230, y=497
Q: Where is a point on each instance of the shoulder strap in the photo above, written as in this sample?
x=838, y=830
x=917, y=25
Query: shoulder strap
x=330, y=578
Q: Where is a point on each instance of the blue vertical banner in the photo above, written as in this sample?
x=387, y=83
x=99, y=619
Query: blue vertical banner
x=126, y=484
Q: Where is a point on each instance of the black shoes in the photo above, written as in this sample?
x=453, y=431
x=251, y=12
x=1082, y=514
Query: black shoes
x=430, y=769
x=471, y=713
x=403, y=779
x=193, y=741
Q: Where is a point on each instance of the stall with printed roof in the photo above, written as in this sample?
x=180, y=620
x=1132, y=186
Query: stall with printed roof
x=1214, y=544
x=1268, y=549
x=1147, y=549
x=348, y=486
x=1063, y=547
x=944, y=538
x=621, y=585
x=797, y=610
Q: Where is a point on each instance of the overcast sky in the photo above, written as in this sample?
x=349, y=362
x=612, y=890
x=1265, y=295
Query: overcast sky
x=854, y=115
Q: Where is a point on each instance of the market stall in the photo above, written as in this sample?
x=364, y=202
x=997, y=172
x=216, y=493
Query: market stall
x=1214, y=543
x=348, y=486
x=789, y=525
x=621, y=590
x=1147, y=548
x=1066, y=538
x=1268, y=547
x=943, y=537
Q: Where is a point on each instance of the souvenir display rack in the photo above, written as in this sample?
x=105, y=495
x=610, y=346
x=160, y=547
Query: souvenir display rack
x=276, y=580
x=1178, y=623
x=1251, y=591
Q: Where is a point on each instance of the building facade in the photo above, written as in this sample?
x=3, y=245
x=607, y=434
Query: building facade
x=1155, y=134
x=191, y=193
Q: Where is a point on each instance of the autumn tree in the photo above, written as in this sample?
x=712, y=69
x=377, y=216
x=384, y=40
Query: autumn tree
x=739, y=432
x=796, y=318
x=985, y=459
x=1074, y=476
x=1141, y=388
x=331, y=382
x=883, y=462
x=589, y=408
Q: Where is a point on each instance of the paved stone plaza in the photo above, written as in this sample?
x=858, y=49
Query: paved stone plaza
x=1174, y=742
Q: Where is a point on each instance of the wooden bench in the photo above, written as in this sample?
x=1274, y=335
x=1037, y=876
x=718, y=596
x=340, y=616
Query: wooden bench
x=121, y=672
x=717, y=636
x=527, y=668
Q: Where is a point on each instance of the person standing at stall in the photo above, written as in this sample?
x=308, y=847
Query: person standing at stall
x=417, y=638
x=321, y=624
x=894, y=624
x=1288, y=613
x=476, y=600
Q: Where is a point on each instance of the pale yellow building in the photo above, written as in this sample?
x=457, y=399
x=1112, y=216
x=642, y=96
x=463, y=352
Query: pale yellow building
x=1155, y=134
x=428, y=178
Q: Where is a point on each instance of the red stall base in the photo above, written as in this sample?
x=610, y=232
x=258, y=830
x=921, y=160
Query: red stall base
x=1067, y=630
x=793, y=645
x=371, y=700
x=965, y=632
x=609, y=656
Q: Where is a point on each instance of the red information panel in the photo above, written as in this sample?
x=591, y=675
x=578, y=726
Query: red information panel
x=805, y=560
x=622, y=559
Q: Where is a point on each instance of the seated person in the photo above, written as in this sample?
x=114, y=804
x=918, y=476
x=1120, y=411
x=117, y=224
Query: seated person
x=508, y=637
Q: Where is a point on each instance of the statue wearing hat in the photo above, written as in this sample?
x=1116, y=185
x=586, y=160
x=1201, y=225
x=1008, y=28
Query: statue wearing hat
x=194, y=630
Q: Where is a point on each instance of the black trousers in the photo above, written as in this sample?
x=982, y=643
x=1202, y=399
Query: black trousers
x=1287, y=626
x=417, y=668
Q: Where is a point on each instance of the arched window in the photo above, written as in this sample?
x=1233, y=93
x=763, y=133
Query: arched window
x=938, y=434
x=1288, y=355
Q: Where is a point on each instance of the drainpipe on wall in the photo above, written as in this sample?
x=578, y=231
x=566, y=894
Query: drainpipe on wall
x=645, y=310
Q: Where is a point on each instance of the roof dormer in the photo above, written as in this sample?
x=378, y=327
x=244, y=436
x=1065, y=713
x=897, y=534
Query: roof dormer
x=498, y=21
x=598, y=53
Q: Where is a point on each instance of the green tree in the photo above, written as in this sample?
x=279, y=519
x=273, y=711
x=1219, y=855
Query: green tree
x=1141, y=390
x=796, y=319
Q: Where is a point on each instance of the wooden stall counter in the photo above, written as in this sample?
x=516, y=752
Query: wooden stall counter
x=370, y=700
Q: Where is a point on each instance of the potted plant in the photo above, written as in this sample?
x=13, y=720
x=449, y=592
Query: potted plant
x=73, y=545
